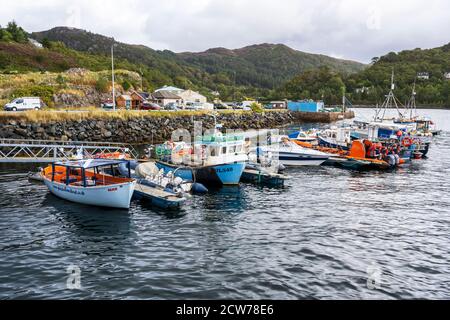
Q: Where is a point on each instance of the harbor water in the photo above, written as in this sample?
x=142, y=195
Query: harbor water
x=329, y=234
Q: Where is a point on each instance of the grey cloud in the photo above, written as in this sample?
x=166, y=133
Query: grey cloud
x=349, y=29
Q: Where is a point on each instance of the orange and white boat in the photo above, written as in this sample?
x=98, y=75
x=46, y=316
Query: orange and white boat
x=86, y=182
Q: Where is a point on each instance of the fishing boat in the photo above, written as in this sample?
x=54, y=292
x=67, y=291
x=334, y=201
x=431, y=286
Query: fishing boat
x=385, y=131
x=338, y=138
x=85, y=181
x=291, y=154
x=213, y=160
x=353, y=159
x=413, y=126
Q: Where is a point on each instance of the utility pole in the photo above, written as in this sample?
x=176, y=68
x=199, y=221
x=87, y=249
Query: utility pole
x=234, y=86
x=112, y=72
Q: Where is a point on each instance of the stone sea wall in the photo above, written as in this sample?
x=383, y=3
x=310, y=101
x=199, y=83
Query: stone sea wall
x=149, y=129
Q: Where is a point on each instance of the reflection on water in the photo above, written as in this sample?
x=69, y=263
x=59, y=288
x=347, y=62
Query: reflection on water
x=319, y=237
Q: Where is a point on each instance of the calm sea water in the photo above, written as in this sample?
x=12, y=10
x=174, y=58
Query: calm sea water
x=329, y=234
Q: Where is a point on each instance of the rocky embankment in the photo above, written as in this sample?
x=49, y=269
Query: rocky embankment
x=145, y=129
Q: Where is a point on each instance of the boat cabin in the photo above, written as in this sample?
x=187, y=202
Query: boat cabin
x=86, y=173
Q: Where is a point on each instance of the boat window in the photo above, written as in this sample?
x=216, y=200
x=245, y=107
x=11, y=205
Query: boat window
x=214, y=151
x=224, y=150
x=238, y=148
x=232, y=149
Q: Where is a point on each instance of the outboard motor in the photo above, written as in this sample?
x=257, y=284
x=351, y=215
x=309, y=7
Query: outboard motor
x=391, y=160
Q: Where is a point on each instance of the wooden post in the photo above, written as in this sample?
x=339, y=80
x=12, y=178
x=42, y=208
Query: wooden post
x=129, y=169
x=53, y=171
x=67, y=175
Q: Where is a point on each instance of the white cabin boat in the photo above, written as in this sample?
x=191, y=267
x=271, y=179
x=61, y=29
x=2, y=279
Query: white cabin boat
x=86, y=182
x=290, y=154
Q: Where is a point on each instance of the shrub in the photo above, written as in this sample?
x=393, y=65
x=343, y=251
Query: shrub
x=102, y=85
x=126, y=85
x=60, y=79
x=257, y=107
x=44, y=92
x=46, y=43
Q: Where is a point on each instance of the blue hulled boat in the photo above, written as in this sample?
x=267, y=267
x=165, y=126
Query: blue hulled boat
x=214, y=160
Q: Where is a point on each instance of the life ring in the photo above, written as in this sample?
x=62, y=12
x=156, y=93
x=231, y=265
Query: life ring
x=407, y=142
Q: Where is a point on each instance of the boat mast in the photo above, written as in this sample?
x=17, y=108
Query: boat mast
x=390, y=101
x=412, y=103
x=343, y=103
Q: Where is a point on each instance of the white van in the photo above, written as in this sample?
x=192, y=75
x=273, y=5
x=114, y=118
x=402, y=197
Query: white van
x=25, y=103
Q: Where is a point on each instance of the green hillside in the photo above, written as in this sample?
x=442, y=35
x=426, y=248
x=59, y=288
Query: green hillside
x=250, y=71
x=264, y=65
x=406, y=65
x=375, y=80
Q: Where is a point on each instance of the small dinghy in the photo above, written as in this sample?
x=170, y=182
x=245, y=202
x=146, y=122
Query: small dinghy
x=163, y=190
x=263, y=170
x=257, y=174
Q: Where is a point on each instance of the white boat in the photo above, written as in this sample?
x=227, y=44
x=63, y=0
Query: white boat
x=338, y=138
x=305, y=136
x=290, y=154
x=85, y=181
x=215, y=159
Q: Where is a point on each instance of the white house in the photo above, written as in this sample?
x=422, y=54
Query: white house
x=423, y=75
x=362, y=90
x=165, y=97
x=192, y=96
x=447, y=75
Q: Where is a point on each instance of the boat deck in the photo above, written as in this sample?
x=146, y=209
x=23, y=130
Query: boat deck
x=256, y=176
x=158, y=193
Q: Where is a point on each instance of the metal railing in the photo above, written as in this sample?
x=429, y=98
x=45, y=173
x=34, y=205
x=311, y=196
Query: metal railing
x=22, y=150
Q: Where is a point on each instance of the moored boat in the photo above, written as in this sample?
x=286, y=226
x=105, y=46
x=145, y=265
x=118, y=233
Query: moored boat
x=214, y=160
x=335, y=138
x=290, y=154
x=309, y=136
x=84, y=181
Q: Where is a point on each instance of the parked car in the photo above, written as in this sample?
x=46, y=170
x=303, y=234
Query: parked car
x=194, y=106
x=107, y=104
x=25, y=103
x=172, y=106
x=222, y=106
x=150, y=106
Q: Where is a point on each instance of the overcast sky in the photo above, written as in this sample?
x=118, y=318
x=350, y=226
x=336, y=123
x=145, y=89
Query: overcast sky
x=351, y=29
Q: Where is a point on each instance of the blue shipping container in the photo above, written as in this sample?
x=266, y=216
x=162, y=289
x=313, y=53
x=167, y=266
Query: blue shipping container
x=305, y=106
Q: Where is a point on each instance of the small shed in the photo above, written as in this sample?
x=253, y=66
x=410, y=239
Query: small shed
x=306, y=106
x=423, y=75
x=124, y=102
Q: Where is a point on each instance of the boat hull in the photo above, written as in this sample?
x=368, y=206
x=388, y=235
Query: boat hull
x=329, y=144
x=298, y=160
x=113, y=196
x=258, y=177
x=216, y=175
x=168, y=201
